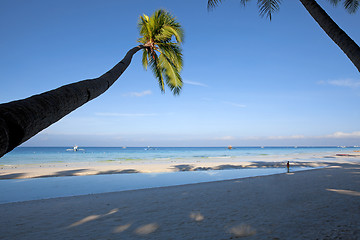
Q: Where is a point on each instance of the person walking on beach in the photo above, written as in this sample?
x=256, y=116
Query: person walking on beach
x=288, y=166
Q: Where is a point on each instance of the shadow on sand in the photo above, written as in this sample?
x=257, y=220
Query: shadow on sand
x=74, y=172
x=183, y=167
x=189, y=167
x=67, y=173
x=118, y=171
x=11, y=176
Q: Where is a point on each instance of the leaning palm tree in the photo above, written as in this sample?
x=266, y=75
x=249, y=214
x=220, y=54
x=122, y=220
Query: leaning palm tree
x=161, y=36
x=346, y=44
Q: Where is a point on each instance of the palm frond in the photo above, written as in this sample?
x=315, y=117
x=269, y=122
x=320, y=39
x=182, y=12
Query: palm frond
x=334, y=2
x=143, y=26
x=213, y=3
x=171, y=73
x=243, y=2
x=143, y=40
x=157, y=69
x=351, y=5
x=174, y=30
x=168, y=27
x=157, y=21
x=268, y=7
x=173, y=52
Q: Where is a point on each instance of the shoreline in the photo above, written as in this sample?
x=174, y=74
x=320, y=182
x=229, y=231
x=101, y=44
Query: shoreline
x=56, y=169
x=317, y=204
x=24, y=171
x=108, y=162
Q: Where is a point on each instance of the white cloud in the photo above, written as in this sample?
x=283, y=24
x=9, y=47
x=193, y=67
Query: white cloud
x=125, y=114
x=234, y=104
x=195, y=83
x=342, y=83
x=286, y=137
x=138, y=94
x=294, y=137
x=344, y=135
x=225, y=138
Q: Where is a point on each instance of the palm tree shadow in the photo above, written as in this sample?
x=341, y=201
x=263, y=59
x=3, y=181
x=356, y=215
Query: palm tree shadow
x=227, y=166
x=183, y=167
x=118, y=171
x=253, y=165
x=76, y=172
x=12, y=176
x=64, y=173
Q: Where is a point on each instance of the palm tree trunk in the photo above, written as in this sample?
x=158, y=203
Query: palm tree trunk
x=347, y=45
x=20, y=120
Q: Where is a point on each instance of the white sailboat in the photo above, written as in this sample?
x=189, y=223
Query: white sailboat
x=75, y=149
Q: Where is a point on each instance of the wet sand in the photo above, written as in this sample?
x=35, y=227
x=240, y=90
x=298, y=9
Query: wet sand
x=315, y=204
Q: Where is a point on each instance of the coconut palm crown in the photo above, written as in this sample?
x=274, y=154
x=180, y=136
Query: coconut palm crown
x=346, y=44
x=162, y=35
x=268, y=7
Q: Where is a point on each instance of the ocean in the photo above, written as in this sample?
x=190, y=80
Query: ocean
x=41, y=155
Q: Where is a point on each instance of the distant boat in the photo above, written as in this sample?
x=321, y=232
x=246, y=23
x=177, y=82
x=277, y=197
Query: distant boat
x=75, y=149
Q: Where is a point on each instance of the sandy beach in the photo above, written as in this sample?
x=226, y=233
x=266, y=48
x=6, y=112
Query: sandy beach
x=19, y=171
x=315, y=204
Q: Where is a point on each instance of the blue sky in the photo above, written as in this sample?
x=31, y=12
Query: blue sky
x=248, y=81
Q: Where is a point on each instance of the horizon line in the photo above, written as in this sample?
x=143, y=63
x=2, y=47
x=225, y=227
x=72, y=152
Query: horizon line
x=252, y=146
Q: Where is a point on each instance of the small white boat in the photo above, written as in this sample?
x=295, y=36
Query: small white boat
x=75, y=149
x=149, y=148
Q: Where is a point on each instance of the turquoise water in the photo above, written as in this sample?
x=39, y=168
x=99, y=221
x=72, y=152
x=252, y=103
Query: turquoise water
x=37, y=155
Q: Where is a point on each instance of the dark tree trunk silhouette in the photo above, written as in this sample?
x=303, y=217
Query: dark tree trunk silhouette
x=20, y=120
x=347, y=45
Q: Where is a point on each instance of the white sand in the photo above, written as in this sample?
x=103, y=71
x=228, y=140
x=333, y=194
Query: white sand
x=146, y=166
x=316, y=204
